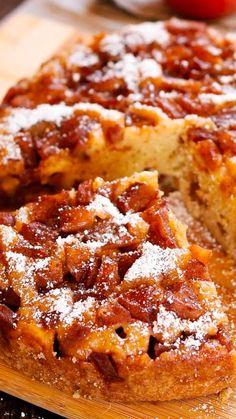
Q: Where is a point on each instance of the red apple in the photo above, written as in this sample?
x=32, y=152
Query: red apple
x=203, y=9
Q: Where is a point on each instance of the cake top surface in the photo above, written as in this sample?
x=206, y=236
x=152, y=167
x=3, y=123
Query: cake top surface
x=182, y=67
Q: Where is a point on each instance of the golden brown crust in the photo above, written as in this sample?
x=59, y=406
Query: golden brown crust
x=192, y=377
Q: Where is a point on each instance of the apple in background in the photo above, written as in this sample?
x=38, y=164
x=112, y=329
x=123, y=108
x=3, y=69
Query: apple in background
x=203, y=9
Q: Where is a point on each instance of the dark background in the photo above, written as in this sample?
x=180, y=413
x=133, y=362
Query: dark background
x=12, y=408
x=7, y=5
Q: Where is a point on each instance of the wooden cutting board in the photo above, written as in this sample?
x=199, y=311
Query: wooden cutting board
x=25, y=41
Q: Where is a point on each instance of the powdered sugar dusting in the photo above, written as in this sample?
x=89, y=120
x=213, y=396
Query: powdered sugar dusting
x=218, y=99
x=153, y=262
x=83, y=57
x=61, y=301
x=22, y=118
x=102, y=112
x=22, y=215
x=170, y=326
x=9, y=150
x=8, y=235
x=146, y=33
x=227, y=79
x=135, y=35
x=19, y=264
x=132, y=70
x=125, y=69
x=103, y=238
x=79, y=308
x=112, y=44
x=40, y=264
x=16, y=262
x=105, y=209
x=149, y=68
x=56, y=301
x=168, y=95
x=70, y=239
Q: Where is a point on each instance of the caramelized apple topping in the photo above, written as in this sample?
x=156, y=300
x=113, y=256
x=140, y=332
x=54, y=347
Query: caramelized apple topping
x=7, y=319
x=160, y=231
x=102, y=266
x=106, y=366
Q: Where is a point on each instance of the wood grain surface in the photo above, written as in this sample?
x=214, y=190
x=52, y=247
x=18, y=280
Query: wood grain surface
x=26, y=41
x=41, y=395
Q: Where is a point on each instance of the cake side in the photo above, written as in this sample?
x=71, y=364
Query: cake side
x=208, y=184
x=192, y=375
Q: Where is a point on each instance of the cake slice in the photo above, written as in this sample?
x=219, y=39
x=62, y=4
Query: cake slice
x=56, y=146
x=103, y=297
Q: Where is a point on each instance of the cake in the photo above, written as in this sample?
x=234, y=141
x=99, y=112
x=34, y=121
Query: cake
x=102, y=296
x=162, y=95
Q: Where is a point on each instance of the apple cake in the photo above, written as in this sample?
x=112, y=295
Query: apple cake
x=102, y=296
x=162, y=95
